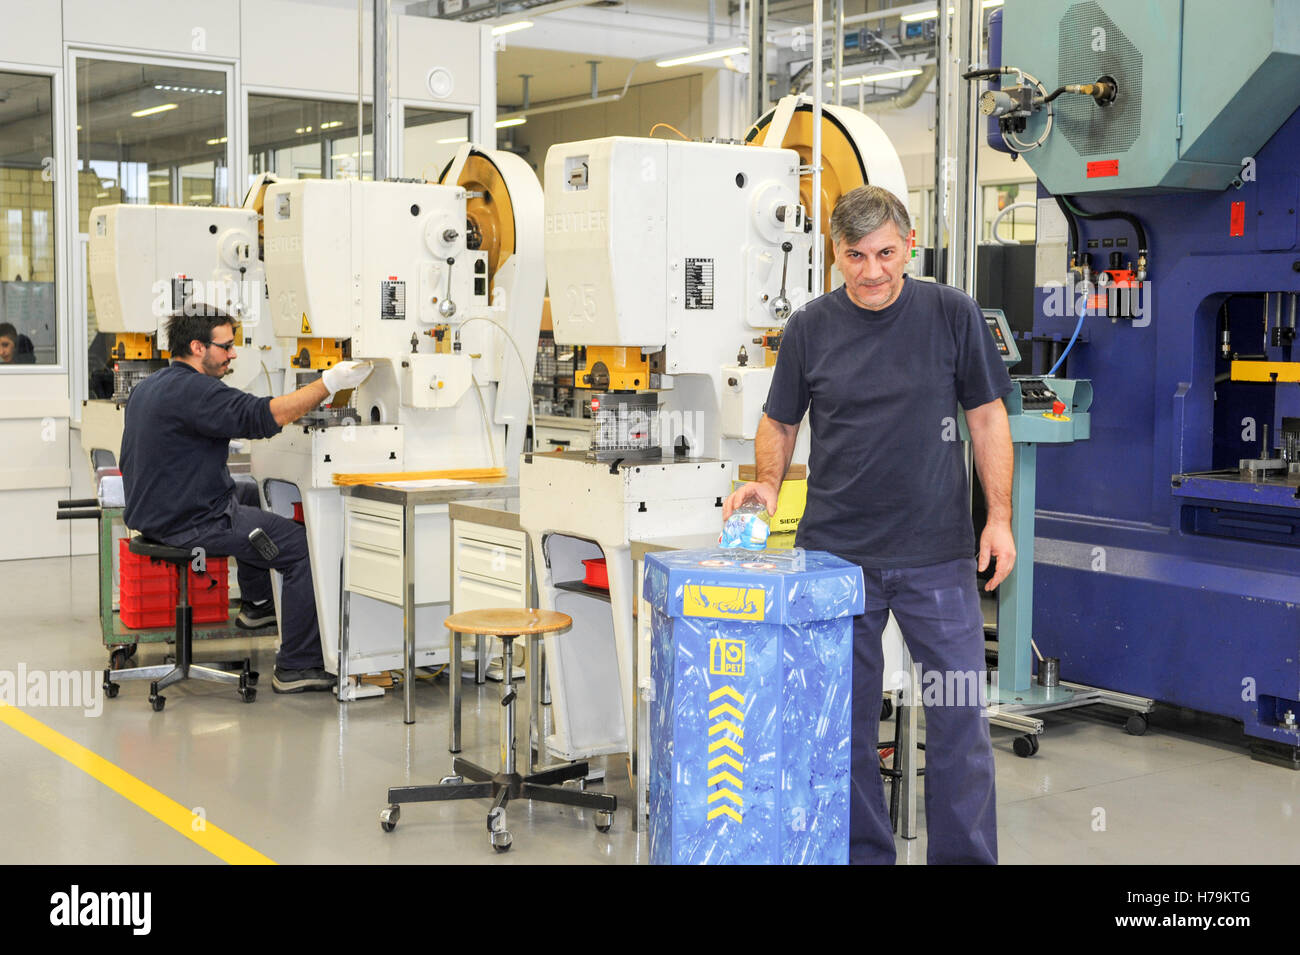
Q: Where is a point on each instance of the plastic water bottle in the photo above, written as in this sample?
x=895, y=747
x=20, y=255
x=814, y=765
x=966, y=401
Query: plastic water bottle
x=746, y=527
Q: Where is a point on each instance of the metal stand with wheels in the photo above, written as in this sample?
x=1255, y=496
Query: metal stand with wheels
x=508, y=783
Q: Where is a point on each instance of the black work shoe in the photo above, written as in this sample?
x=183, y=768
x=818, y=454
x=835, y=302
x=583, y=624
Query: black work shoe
x=253, y=616
x=313, y=680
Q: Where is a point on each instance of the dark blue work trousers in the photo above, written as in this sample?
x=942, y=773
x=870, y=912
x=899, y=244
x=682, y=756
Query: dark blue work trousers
x=938, y=611
x=300, y=647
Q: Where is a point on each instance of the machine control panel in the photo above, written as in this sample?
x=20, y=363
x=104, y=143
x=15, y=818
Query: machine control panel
x=1000, y=329
x=1036, y=394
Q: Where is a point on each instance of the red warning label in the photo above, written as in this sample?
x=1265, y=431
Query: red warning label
x=1237, y=219
x=1103, y=167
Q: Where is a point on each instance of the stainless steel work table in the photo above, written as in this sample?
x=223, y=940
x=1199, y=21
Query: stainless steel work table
x=407, y=500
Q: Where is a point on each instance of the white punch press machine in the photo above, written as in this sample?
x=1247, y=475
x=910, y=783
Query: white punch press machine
x=426, y=281
x=146, y=262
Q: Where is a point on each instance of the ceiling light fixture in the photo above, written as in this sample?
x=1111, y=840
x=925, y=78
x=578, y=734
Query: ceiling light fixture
x=700, y=57
x=154, y=109
x=877, y=77
x=512, y=27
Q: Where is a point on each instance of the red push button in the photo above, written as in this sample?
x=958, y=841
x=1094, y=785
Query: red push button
x=1058, y=408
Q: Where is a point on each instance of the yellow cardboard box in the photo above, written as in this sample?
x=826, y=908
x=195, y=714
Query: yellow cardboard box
x=789, y=503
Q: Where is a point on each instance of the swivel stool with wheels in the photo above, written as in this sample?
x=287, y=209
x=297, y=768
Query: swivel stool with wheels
x=164, y=675
x=507, y=784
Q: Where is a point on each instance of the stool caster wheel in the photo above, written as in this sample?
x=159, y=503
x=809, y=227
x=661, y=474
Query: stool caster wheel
x=498, y=834
x=886, y=709
x=110, y=690
x=450, y=780
x=251, y=678
x=1025, y=746
x=388, y=817
x=1136, y=725
x=158, y=702
x=247, y=693
x=604, y=820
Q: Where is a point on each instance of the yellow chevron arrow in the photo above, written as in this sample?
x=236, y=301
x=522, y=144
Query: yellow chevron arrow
x=727, y=760
x=726, y=708
x=729, y=743
x=726, y=691
x=725, y=794
x=717, y=811
x=726, y=777
x=726, y=724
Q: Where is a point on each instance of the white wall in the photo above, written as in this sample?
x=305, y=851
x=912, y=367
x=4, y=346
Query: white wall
x=33, y=33
x=192, y=27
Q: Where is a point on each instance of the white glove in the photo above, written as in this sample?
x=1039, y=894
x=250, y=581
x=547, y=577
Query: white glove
x=345, y=375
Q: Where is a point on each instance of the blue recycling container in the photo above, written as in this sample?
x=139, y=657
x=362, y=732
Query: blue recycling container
x=752, y=659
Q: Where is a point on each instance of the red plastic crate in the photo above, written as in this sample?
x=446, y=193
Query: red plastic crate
x=148, y=591
x=597, y=573
x=210, y=592
x=154, y=610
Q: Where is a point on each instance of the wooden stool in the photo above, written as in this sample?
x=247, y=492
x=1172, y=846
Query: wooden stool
x=506, y=784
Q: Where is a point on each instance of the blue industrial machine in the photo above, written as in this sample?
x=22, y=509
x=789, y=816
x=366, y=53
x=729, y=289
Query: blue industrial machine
x=1165, y=141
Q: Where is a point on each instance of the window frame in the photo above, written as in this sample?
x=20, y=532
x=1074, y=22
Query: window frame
x=60, y=248
x=75, y=316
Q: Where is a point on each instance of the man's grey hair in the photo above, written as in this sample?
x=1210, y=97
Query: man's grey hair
x=864, y=210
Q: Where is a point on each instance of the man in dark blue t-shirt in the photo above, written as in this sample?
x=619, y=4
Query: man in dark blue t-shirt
x=175, y=441
x=882, y=364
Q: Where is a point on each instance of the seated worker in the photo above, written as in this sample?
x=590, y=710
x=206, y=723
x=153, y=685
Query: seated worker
x=175, y=441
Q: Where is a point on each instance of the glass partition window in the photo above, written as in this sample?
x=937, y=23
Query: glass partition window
x=430, y=138
x=146, y=133
x=307, y=139
x=1016, y=224
x=28, y=329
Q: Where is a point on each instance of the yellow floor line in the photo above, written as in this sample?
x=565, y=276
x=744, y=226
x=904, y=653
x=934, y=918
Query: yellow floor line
x=221, y=844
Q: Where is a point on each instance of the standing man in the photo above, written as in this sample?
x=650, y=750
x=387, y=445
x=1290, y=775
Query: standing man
x=883, y=362
x=175, y=442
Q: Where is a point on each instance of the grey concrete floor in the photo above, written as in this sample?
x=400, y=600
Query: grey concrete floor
x=302, y=779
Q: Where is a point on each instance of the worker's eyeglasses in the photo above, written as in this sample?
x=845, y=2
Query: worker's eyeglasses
x=228, y=346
